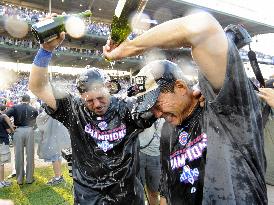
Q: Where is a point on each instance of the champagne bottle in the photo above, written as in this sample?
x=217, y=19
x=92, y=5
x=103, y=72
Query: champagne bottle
x=120, y=27
x=50, y=29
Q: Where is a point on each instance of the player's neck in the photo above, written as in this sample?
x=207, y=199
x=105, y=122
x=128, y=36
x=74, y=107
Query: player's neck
x=191, y=108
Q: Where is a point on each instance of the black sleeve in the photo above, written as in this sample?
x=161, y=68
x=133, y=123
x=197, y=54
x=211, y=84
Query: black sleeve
x=143, y=120
x=32, y=117
x=139, y=120
x=236, y=92
x=63, y=108
x=164, y=154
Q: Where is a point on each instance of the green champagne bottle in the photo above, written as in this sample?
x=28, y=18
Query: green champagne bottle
x=50, y=29
x=120, y=26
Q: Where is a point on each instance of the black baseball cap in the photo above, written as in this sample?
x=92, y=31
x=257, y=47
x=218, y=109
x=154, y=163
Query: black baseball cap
x=239, y=35
x=91, y=76
x=152, y=79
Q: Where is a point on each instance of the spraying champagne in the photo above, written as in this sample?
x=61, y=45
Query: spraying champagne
x=50, y=29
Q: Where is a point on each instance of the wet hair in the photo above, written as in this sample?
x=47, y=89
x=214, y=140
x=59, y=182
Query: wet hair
x=169, y=87
x=169, y=73
x=91, y=78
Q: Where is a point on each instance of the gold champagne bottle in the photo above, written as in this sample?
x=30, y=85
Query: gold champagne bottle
x=50, y=29
x=120, y=26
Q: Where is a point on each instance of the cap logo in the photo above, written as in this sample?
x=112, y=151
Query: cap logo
x=145, y=83
x=140, y=82
x=138, y=86
x=103, y=125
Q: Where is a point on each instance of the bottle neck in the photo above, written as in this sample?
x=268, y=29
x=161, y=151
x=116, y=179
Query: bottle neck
x=141, y=6
x=85, y=14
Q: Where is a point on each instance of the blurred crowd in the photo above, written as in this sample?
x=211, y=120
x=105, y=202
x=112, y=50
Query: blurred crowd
x=9, y=96
x=29, y=43
x=23, y=13
x=26, y=43
x=261, y=57
x=101, y=29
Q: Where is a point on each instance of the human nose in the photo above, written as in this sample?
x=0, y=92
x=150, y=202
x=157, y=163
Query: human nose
x=96, y=103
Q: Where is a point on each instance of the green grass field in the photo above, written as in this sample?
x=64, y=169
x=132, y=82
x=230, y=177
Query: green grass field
x=39, y=193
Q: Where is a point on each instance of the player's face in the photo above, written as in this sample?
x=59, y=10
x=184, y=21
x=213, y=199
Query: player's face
x=97, y=100
x=173, y=106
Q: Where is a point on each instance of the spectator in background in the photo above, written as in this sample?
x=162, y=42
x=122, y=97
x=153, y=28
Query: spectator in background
x=9, y=103
x=3, y=109
x=150, y=166
x=54, y=138
x=5, y=156
x=24, y=119
x=268, y=95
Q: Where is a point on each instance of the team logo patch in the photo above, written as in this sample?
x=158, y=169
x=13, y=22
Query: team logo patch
x=189, y=175
x=102, y=125
x=183, y=137
x=105, y=146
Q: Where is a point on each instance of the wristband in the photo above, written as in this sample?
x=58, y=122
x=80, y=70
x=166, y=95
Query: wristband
x=42, y=58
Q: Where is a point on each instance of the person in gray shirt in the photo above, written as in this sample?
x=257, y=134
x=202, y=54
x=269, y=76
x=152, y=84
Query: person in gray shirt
x=54, y=138
x=150, y=166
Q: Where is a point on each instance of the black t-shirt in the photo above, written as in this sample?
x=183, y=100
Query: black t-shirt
x=232, y=129
x=4, y=137
x=104, y=149
x=184, y=161
x=23, y=114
